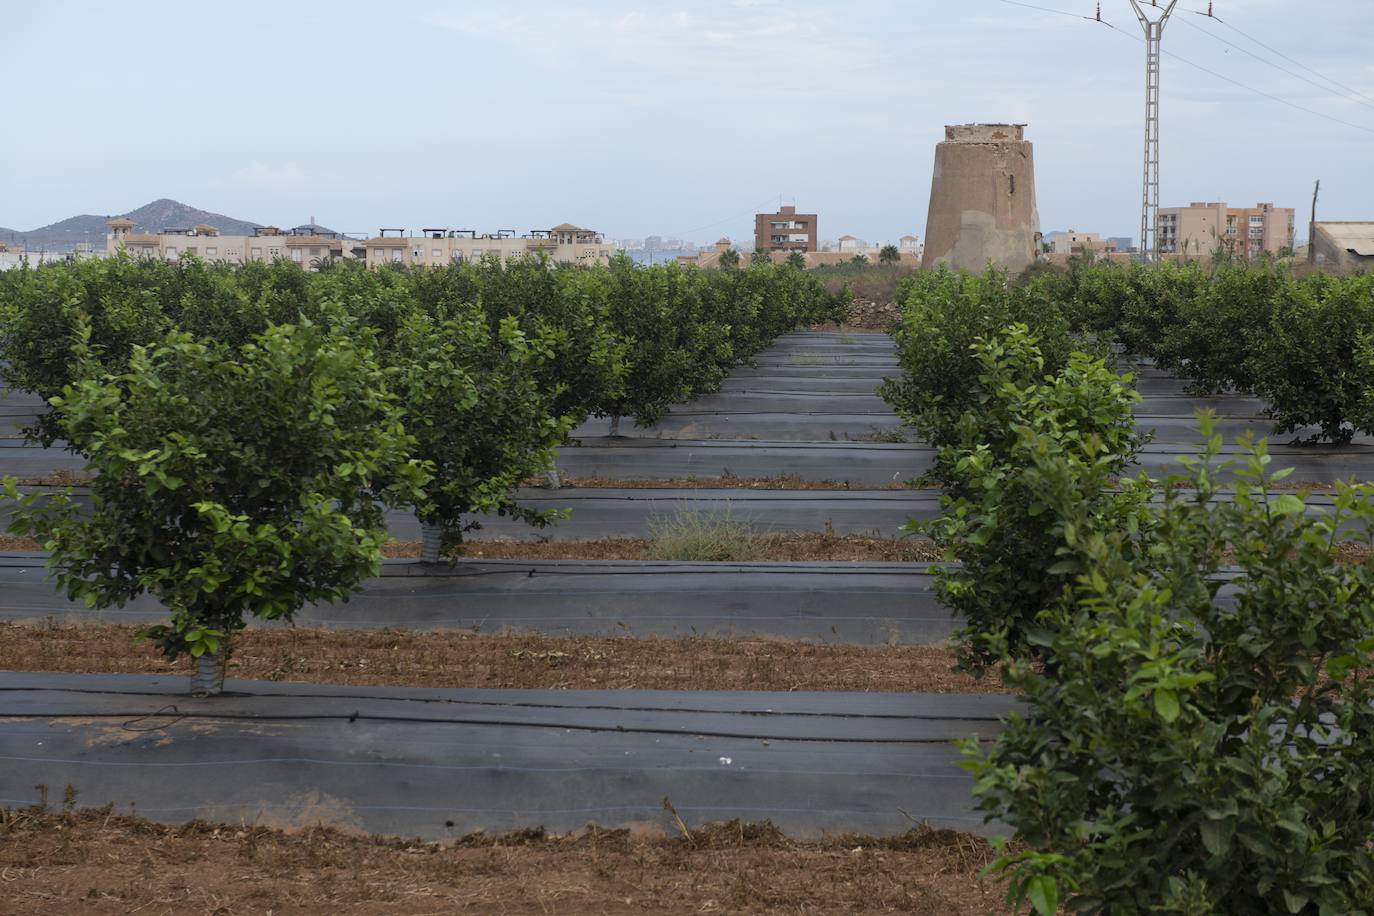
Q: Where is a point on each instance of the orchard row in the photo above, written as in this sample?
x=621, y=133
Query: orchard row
x=245, y=426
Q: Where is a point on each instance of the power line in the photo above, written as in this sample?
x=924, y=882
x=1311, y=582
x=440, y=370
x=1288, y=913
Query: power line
x=1354, y=92
x=1046, y=9
x=1267, y=95
x=1209, y=71
x=1266, y=61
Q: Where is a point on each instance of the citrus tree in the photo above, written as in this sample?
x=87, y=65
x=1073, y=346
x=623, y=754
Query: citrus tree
x=1198, y=734
x=474, y=406
x=227, y=483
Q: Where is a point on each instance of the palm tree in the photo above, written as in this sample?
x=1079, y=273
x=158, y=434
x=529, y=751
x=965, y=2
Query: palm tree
x=797, y=260
x=729, y=259
x=889, y=255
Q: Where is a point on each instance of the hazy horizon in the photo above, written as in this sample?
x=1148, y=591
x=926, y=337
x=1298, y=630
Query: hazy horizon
x=677, y=120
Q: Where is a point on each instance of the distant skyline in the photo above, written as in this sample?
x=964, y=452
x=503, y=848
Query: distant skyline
x=672, y=119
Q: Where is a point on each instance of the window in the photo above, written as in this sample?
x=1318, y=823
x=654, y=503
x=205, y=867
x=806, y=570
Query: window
x=436, y=253
x=211, y=252
x=257, y=254
x=477, y=252
x=171, y=253
x=396, y=255
x=296, y=255
x=314, y=252
x=274, y=253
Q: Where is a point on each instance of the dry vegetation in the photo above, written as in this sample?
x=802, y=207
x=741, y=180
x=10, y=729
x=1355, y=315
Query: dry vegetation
x=700, y=545
x=728, y=482
x=464, y=659
x=57, y=863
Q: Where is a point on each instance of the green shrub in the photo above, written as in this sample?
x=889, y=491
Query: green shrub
x=1184, y=750
x=996, y=523
x=943, y=314
x=227, y=483
x=1312, y=361
x=474, y=409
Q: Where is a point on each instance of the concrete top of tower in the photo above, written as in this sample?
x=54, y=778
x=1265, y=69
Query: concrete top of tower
x=984, y=133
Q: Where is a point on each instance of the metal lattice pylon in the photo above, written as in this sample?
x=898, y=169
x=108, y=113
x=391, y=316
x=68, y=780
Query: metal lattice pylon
x=1149, y=204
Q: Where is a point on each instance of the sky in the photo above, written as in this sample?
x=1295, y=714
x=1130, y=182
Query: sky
x=666, y=117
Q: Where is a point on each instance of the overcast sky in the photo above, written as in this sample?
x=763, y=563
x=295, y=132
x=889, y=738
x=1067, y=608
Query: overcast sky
x=675, y=118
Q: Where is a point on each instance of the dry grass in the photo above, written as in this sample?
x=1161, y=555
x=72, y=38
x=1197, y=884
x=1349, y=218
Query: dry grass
x=93, y=861
x=62, y=478
x=728, y=482
x=699, y=541
x=10, y=542
x=464, y=659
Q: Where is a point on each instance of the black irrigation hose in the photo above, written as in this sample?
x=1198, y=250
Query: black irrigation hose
x=517, y=705
x=497, y=723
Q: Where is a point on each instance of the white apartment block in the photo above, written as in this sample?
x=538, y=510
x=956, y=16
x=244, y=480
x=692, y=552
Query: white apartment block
x=304, y=245
x=566, y=243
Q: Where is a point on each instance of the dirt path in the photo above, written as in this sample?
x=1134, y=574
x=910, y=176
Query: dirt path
x=454, y=659
x=55, y=864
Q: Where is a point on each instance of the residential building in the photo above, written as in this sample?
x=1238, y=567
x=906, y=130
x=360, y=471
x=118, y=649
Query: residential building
x=1200, y=229
x=11, y=255
x=1343, y=246
x=305, y=245
x=1078, y=243
x=564, y=243
x=786, y=230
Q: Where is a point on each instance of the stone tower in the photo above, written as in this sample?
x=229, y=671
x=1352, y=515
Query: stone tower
x=982, y=199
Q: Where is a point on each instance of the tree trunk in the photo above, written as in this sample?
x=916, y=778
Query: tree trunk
x=207, y=673
x=615, y=426
x=431, y=542
x=551, y=478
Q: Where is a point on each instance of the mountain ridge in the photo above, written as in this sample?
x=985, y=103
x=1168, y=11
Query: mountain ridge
x=154, y=216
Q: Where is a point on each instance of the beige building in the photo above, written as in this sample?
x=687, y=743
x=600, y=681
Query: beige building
x=304, y=245
x=1200, y=229
x=1343, y=246
x=566, y=243
x=1074, y=242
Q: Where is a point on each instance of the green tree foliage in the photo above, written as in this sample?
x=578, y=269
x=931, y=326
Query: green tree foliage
x=1313, y=362
x=1197, y=738
x=994, y=521
x=729, y=259
x=473, y=407
x=229, y=482
x=797, y=259
x=943, y=313
x=889, y=254
x=124, y=301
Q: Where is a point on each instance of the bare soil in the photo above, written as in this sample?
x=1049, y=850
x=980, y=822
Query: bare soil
x=783, y=482
x=10, y=542
x=818, y=547
x=93, y=861
x=463, y=659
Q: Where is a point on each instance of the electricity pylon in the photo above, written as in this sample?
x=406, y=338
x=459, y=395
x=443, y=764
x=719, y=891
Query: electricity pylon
x=1149, y=204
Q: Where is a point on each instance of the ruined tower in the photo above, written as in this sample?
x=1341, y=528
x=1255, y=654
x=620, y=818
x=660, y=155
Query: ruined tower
x=982, y=199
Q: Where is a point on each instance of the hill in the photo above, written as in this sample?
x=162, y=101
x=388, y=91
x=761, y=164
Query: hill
x=151, y=217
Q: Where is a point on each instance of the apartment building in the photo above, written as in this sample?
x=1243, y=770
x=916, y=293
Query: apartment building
x=1078, y=243
x=1199, y=229
x=565, y=243
x=305, y=245
x=786, y=230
